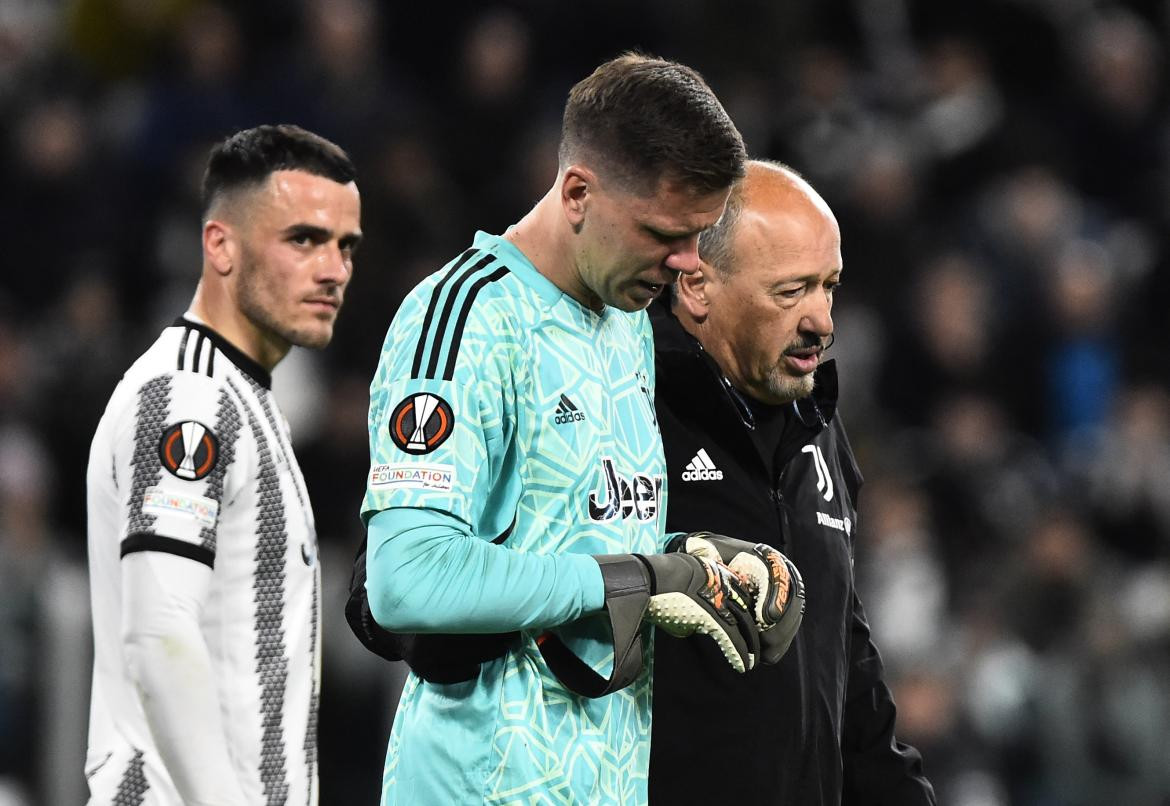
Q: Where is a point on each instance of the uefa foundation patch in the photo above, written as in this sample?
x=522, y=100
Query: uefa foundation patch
x=421, y=423
x=199, y=508
x=418, y=477
x=189, y=450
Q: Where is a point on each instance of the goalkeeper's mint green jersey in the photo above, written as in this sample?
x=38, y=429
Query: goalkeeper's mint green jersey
x=503, y=410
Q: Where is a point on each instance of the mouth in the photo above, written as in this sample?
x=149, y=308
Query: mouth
x=804, y=360
x=325, y=304
x=653, y=289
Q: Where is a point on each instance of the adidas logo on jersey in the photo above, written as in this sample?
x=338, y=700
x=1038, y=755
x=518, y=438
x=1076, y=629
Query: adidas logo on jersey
x=701, y=468
x=566, y=412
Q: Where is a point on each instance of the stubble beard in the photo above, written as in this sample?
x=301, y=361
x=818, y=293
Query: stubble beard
x=785, y=388
x=257, y=302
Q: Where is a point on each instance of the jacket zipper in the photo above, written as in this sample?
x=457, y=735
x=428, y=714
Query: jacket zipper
x=781, y=514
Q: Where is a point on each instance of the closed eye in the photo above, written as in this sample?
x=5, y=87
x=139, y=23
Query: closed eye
x=667, y=238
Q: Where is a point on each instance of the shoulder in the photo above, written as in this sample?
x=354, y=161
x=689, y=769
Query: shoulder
x=170, y=405
x=185, y=373
x=471, y=311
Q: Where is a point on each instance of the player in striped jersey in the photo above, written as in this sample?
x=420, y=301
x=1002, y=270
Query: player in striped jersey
x=515, y=453
x=202, y=549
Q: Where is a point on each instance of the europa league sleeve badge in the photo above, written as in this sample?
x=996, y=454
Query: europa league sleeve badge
x=421, y=423
x=189, y=450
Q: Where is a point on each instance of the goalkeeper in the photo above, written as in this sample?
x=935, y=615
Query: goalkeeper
x=517, y=488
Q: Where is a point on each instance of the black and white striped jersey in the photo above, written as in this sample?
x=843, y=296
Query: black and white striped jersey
x=193, y=458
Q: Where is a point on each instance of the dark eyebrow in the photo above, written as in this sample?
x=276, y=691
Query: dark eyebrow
x=321, y=235
x=317, y=234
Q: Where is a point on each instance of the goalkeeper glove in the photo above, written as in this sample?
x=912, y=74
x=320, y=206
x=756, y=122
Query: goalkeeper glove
x=772, y=580
x=687, y=595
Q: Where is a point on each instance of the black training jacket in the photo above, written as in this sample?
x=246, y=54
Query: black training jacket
x=818, y=727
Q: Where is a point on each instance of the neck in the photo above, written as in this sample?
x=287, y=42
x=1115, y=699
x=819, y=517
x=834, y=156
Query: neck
x=217, y=308
x=543, y=236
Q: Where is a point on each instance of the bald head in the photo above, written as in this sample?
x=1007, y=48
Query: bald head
x=761, y=304
x=770, y=196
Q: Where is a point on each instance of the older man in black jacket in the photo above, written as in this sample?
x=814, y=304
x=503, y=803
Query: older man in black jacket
x=756, y=450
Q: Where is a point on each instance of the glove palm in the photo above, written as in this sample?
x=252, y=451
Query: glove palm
x=701, y=596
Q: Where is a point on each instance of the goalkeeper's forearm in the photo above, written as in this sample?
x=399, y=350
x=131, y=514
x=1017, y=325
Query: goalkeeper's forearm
x=426, y=574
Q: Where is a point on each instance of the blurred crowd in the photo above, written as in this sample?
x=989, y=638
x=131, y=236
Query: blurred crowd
x=1001, y=172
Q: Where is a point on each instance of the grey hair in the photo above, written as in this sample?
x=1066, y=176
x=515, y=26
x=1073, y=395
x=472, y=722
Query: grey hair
x=715, y=242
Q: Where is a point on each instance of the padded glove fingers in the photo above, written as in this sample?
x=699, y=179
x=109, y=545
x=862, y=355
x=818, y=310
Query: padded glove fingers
x=692, y=595
x=772, y=580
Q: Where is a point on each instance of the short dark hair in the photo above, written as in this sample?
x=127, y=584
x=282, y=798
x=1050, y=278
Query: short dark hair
x=250, y=156
x=642, y=119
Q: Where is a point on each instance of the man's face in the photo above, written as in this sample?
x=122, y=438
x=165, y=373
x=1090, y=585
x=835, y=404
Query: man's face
x=297, y=236
x=770, y=317
x=634, y=245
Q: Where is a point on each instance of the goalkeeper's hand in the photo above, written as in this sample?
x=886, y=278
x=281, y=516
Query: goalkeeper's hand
x=688, y=595
x=772, y=580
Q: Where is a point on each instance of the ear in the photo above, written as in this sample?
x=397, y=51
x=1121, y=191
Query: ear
x=577, y=182
x=691, y=292
x=217, y=246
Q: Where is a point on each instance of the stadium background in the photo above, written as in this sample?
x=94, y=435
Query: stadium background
x=1000, y=171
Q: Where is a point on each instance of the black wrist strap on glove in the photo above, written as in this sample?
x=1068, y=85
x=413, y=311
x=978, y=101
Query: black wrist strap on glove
x=627, y=593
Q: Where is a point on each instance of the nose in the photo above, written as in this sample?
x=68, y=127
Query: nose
x=684, y=256
x=818, y=316
x=336, y=266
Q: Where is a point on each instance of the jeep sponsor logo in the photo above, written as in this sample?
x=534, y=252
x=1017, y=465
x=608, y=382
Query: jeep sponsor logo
x=637, y=496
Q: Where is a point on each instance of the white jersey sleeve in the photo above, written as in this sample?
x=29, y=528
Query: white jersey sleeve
x=180, y=459
x=167, y=658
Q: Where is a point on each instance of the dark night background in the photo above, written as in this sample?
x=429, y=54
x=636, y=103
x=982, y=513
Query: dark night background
x=1001, y=173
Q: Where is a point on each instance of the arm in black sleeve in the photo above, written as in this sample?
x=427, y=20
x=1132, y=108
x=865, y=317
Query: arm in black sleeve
x=879, y=770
